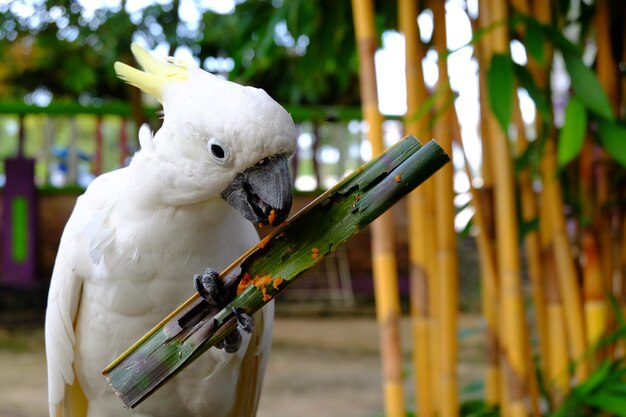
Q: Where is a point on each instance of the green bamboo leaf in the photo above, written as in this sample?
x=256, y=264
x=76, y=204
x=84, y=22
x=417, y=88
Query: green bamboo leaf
x=535, y=40
x=613, y=138
x=572, y=135
x=612, y=403
x=586, y=86
x=500, y=84
x=618, y=389
x=594, y=381
x=554, y=34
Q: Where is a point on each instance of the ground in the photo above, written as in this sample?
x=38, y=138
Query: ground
x=320, y=366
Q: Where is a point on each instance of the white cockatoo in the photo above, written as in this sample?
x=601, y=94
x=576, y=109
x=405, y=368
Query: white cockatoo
x=139, y=234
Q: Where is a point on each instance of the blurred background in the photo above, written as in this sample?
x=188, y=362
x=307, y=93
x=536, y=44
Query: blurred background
x=509, y=266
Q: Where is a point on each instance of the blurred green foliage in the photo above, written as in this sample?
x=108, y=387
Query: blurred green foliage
x=300, y=51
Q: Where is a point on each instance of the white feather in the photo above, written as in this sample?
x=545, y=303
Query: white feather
x=145, y=138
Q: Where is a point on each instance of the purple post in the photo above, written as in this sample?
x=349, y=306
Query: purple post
x=19, y=220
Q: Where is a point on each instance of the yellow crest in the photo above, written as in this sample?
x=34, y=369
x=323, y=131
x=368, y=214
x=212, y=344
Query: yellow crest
x=155, y=75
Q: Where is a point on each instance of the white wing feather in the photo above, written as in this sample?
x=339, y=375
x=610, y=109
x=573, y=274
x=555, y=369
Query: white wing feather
x=63, y=305
x=87, y=227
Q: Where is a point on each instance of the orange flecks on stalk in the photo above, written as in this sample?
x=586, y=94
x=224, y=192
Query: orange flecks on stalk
x=397, y=179
x=277, y=282
x=315, y=253
x=262, y=281
x=271, y=217
x=266, y=296
x=243, y=284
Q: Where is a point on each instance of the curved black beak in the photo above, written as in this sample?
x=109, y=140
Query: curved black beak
x=262, y=193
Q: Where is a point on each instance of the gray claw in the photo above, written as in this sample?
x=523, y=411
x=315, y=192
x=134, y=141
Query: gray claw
x=232, y=341
x=211, y=287
x=245, y=321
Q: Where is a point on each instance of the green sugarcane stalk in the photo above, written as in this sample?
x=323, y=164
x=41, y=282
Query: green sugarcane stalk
x=272, y=265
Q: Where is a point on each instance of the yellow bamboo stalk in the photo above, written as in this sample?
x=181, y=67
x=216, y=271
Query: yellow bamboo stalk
x=528, y=206
x=434, y=299
x=514, y=365
x=383, y=251
x=566, y=270
x=558, y=375
x=423, y=368
x=594, y=285
x=606, y=66
x=446, y=236
x=491, y=307
x=521, y=6
x=513, y=335
x=417, y=205
x=553, y=201
x=528, y=209
x=607, y=70
x=510, y=287
x=596, y=306
x=489, y=284
x=483, y=52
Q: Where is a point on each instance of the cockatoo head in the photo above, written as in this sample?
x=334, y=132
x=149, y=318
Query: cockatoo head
x=218, y=138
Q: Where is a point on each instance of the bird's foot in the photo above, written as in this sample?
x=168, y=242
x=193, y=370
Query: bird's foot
x=245, y=321
x=231, y=343
x=211, y=287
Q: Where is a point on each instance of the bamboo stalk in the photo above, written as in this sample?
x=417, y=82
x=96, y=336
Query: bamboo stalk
x=566, y=270
x=383, y=251
x=483, y=52
x=596, y=306
x=557, y=359
x=490, y=300
x=417, y=205
x=607, y=70
x=553, y=202
x=529, y=212
x=509, y=271
x=489, y=285
x=514, y=341
x=537, y=285
x=275, y=263
x=434, y=298
x=446, y=235
x=595, y=287
x=557, y=375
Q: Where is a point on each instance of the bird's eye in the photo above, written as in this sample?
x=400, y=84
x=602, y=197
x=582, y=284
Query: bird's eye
x=218, y=151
